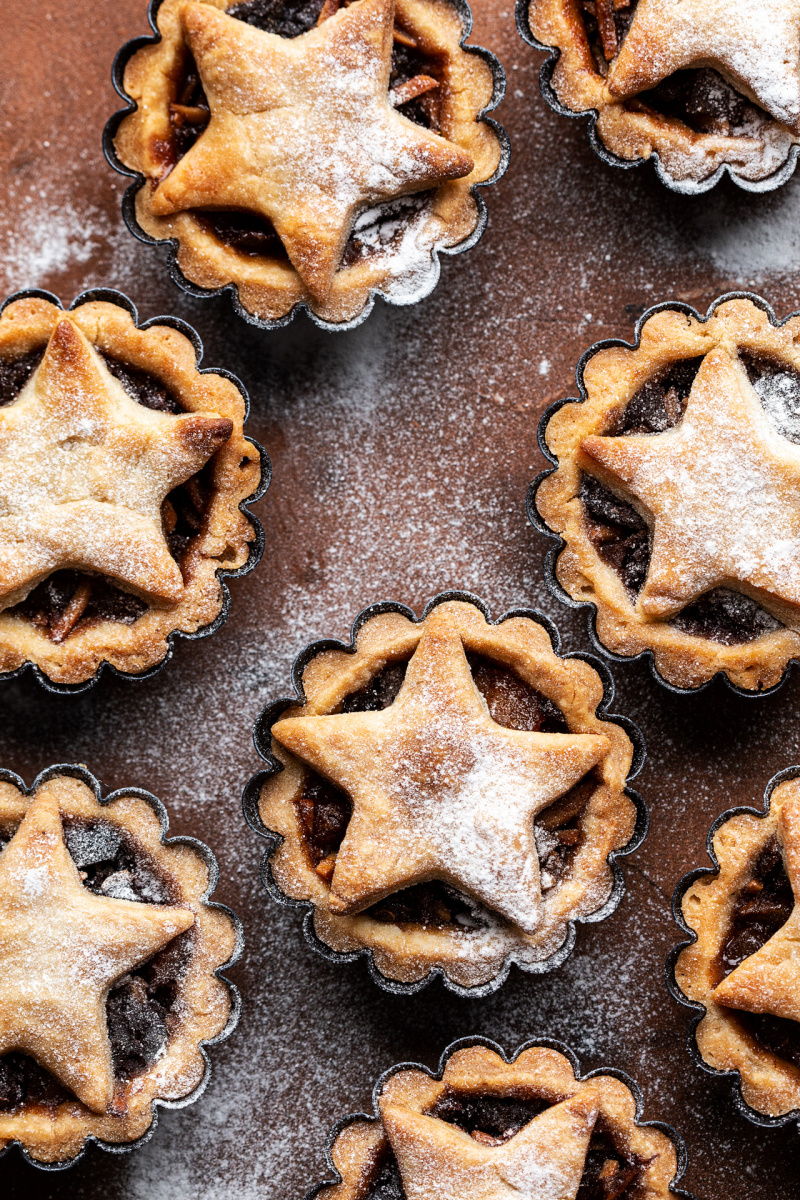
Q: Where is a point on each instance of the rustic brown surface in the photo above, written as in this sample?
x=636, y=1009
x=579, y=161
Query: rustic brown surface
x=402, y=452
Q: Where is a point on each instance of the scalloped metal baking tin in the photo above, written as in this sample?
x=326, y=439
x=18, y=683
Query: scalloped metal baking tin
x=263, y=739
x=256, y=546
x=129, y=199
x=476, y=1040
x=685, y=187
x=91, y=781
x=552, y=555
x=740, y=1104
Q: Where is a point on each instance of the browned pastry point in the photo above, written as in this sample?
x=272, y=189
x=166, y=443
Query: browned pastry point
x=122, y=472
x=701, y=83
x=311, y=152
x=491, y=1130
x=108, y=954
x=676, y=494
x=450, y=797
x=744, y=967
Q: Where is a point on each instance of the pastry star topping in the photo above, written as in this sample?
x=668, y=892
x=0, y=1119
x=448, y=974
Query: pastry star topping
x=302, y=131
x=439, y=791
x=544, y=1161
x=769, y=980
x=61, y=948
x=755, y=45
x=83, y=473
x=722, y=490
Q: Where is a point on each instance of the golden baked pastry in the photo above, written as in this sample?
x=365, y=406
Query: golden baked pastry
x=485, y=1128
x=700, y=86
x=122, y=472
x=307, y=153
x=743, y=967
x=449, y=795
x=676, y=493
x=109, y=956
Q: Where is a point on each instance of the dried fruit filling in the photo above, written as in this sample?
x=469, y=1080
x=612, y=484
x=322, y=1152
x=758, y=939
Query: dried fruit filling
x=699, y=97
x=74, y=600
x=414, y=91
x=141, y=1010
x=620, y=534
x=324, y=810
x=610, y=1173
x=762, y=907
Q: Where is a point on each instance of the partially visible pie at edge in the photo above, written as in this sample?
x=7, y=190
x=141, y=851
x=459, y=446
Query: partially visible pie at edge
x=744, y=967
x=492, y=1130
x=108, y=960
x=309, y=153
x=676, y=495
x=699, y=83
x=122, y=472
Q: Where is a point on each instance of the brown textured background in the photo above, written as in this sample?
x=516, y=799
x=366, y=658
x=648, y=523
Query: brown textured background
x=402, y=452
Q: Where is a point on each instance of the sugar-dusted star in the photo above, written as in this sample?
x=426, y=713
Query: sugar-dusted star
x=440, y=791
x=302, y=131
x=61, y=948
x=755, y=45
x=83, y=473
x=544, y=1161
x=769, y=980
x=722, y=491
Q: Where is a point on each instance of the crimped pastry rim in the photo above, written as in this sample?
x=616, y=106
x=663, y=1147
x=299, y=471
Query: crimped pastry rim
x=538, y=521
x=685, y=187
x=138, y=180
x=207, y=856
x=753, y=1115
x=534, y=1043
x=255, y=546
x=262, y=740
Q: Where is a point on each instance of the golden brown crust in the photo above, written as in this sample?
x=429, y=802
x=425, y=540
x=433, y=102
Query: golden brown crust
x=769, y=1084
x=408, y=954
x=537, y=1073
x=223, y=542
x=611, y=378
x=269, y=288
x=632, y=130
x=52, y=1135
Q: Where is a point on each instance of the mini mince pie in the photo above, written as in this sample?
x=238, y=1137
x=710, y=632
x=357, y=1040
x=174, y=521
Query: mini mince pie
x=448, y=796
x=109, y=956
x=309, y=152
x=744, y=965
x=700, y=86
x=677, y=493
x=485, y=1128
x=123, y=469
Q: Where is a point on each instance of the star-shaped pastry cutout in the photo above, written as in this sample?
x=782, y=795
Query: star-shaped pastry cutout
x=302, y=131
x=439, y=791
x=544, y=1161
x=755, y=45
x=61, y=948
x=83, y=473
x=769, y=980
x=721, y=490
